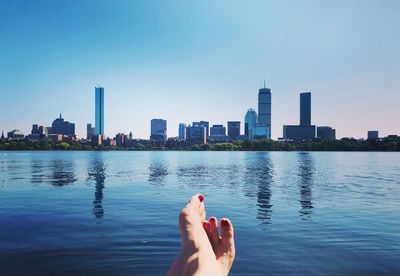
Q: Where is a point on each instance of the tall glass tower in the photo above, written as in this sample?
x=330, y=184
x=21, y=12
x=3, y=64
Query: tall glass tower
x=264, y=112
x=99, y=111
x=305, y=109
x=250, y=121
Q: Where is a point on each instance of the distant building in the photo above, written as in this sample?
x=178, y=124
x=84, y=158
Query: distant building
x=217, y=130
x=250, y=121
x=196, y=135
x=59, y=126
x=36, y=129
x=303, y=131
x=2, y=135
x=96, y=140
x=15, y=135
x=56, y=137
x=234, y=129
x=373, y=134
x=120, y=140
x=109, y=142
x=158, y=130
x=305, y=109
x=203, y=124
x=99, y=111
x=182, y=132
x=90, y=131
x=293, y=132
x=263, y=125
x=326, y=132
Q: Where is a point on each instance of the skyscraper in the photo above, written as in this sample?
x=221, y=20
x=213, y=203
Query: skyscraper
x=99, y=110
x=90, y=131
x=59, y=126
x=203, y=124
x=196, y=135
x=250, y=121
x=234, y=129
x=263, y=125
x=182, y=131
x=158, y=130
x=305, y=109
x=303, y=131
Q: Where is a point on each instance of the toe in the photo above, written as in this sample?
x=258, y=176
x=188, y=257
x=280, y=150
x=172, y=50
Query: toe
x=212, y=221
x=196, y=203
x=226, y=230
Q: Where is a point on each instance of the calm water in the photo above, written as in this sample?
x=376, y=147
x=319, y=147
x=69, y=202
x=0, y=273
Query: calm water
x=116, y=212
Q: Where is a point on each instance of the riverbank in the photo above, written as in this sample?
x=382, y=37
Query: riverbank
x=345, y=144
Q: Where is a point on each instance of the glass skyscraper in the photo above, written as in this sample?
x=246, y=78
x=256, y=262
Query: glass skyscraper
x=99, y=111
x=264, y=113
x=182, y=131
x=250, y=121
x=305, y=109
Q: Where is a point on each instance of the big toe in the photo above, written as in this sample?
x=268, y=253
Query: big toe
x=194, y=210
x=197, y=205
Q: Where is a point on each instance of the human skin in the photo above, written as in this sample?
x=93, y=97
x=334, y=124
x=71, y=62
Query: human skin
x=204, y=251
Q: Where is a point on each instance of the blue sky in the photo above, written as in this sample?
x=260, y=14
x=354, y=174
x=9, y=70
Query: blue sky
x=187, y=61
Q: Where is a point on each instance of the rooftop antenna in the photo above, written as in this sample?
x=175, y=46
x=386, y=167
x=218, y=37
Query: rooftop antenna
x=264, y=82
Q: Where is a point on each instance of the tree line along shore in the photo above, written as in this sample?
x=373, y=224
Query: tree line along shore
x=345, y=144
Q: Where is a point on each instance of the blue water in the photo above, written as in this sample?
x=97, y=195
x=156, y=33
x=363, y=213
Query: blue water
x=115, y=213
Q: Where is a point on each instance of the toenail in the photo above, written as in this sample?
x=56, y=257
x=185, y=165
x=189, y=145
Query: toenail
x=201, y=197
x=212, y=219
x=224, y=223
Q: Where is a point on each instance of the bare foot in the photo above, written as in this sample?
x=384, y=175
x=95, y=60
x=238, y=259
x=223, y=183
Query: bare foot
x=203, y=251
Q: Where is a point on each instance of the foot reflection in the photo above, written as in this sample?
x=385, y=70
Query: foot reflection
x=259, y=171
x=97, y=172
x=306, y=171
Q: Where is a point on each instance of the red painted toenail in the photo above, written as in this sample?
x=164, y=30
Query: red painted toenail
x=201, y=197
x=224, y=223
x=212, y=219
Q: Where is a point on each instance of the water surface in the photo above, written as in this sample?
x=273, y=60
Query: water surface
x=115, y=213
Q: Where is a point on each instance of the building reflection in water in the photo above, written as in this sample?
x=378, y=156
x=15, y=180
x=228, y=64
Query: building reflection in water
x=63, y=172
x=97, y=172
x=158, y=169
x=306, y=172
x=259, y=172
x=37, y=171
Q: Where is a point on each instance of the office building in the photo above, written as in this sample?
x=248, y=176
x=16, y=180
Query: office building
x=303, y=131
x=250, y=121
x=326, y=133
x=99, y=111
x=305, y=109
x=59, y=126
x=158, y=130
x=15, y=134
x=203, y=124
x=373, y=134
x=196, y=135
x=234, y=129
x=36, y=129
x=2, y=135
x=182, y=132
x=120, y=140
x=90, y=131
x=263, y=125
x=217, y=130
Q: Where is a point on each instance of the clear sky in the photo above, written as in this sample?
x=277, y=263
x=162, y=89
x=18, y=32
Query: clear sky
x=187, y=61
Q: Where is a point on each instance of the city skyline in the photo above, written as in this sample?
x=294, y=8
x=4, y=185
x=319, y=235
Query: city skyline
x=345, y=53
